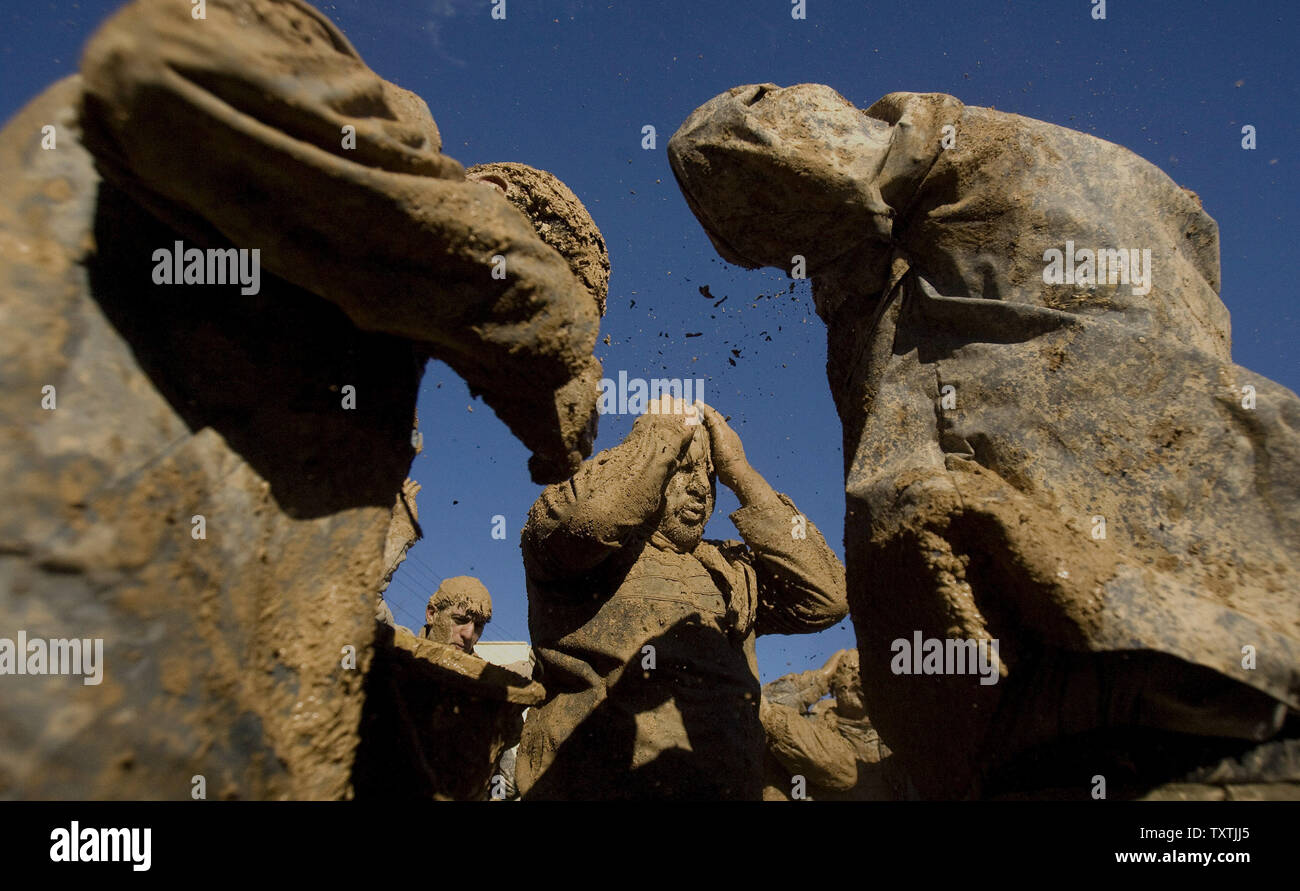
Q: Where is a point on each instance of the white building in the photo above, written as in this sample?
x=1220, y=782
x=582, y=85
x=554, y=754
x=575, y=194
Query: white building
x=504, y=652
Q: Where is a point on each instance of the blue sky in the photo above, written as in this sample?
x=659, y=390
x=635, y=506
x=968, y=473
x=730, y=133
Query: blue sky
x=567, y=86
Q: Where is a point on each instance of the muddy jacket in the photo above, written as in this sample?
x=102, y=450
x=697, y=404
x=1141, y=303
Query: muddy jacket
x=655, y=687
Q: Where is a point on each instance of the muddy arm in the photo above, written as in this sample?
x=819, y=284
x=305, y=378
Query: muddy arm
x=801, y=586
x=576, y=524
x=798, y=691
x=261, y=126
x=810, y=748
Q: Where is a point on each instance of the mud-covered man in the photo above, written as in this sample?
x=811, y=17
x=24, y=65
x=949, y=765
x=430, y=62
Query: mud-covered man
x=457, y=612
x=1067, y=465
x=645, y=632
x=825, y=748
x=439, y=719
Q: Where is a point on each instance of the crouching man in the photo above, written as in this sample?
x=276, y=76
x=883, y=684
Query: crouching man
x=645, y=632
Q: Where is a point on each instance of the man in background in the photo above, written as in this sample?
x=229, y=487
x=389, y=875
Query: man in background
x=821, y=748
x=457, y=612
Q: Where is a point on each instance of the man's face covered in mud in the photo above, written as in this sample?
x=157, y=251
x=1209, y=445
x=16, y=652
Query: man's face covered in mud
x=455, y=626
x=688, y=497
x=458, y=611
x=774, y=171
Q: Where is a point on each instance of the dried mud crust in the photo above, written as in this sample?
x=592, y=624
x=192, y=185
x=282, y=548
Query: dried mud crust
x=560, y=218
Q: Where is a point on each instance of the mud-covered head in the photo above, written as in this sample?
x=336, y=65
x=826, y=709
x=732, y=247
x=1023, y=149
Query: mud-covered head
x=560, y=220
x=559, y=217
x=689, y=495
x=457, y=612
x=771, y=172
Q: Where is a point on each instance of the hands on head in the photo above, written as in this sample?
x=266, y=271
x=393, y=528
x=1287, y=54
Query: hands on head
x=686, y=419
x=728, y=453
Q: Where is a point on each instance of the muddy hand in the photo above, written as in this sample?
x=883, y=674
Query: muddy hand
x=674, y=419
x=728, y=454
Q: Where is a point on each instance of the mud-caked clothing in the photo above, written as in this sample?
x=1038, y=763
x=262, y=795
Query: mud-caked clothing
x=837, y=757
x=646, y=650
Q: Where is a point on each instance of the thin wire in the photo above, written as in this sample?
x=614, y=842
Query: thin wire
x=413, y=564
x=499, y=624
x=414, y=611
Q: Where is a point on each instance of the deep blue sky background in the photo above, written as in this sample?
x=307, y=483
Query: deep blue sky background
x=567, y=85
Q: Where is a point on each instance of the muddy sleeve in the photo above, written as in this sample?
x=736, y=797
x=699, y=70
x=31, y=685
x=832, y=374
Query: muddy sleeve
x=576, y=524
x=261, y=125
x=810, y=748
x=798, y=691
x=801, y=584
